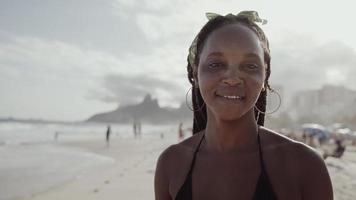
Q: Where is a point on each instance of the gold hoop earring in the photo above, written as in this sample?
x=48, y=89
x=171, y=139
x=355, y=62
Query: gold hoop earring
x=274, y=110
x=191, y=107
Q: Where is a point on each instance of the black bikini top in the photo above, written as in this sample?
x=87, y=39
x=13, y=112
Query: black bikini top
x=263, y=191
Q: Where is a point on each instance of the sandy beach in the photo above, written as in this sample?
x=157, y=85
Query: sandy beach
x=131, y=175
x=343, y=174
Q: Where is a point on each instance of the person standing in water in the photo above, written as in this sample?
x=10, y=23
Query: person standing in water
x=231, y=155
x=180, y=132
x=108, y=132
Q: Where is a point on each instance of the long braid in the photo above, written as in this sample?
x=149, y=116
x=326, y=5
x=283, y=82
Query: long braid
x=199, y=107
x=198, y=104
x=262, y=99
x=261, y=105
x=200, y=116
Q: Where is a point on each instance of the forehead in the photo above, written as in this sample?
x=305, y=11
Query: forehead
x=233, y=39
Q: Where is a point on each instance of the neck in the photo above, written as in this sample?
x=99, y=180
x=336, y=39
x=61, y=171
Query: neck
x=233, y=135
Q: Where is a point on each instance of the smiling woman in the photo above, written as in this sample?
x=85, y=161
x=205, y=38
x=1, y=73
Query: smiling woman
x=231, y=155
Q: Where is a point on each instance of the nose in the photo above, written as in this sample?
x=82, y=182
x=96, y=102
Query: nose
x=232, y=81
x=232, y=78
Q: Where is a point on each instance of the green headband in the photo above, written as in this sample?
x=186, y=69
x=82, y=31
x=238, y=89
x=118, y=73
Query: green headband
x=251, y=16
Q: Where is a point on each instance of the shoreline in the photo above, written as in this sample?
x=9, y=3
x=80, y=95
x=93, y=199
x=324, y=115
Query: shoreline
x=131, y=175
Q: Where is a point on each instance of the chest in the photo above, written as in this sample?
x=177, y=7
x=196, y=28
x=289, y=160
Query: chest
x=237, y=177
x=225, y=178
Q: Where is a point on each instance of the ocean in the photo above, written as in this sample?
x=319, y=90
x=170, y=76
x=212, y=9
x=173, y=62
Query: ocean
x=32, y=160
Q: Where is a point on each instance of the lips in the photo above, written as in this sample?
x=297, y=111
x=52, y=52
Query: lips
x=231, y=97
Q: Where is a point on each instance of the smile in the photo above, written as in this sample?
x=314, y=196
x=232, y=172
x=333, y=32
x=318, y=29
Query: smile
x=232, y=97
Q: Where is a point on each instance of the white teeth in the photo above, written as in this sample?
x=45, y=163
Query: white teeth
x=232, y=97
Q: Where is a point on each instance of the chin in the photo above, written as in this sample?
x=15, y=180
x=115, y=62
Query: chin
x=229, y=115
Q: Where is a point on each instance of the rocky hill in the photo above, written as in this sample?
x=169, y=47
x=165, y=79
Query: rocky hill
x=148, y=111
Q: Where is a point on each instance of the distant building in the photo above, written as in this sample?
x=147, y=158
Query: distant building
x=328, y=103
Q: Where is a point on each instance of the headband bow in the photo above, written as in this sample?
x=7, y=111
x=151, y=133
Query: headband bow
x=251, y=16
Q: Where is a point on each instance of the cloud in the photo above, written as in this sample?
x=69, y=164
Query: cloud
x=129, y=48
x=57, y=70
x=131, y=89
x=300, y=62
x=36, y=58
x=50, y=79
x=88, y=24
x=164, y=21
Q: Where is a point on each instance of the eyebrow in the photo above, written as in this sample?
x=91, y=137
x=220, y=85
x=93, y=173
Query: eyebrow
x=249, y=55
x=215, y=54
x=252, y=55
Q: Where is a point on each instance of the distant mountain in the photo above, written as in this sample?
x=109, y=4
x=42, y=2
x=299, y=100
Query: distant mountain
x=35, y=121
x=147, y=111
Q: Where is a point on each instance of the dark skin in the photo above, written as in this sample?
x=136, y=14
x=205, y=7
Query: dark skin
x=230, y=76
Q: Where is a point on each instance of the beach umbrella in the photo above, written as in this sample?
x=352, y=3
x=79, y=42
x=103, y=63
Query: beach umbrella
x=315, y=130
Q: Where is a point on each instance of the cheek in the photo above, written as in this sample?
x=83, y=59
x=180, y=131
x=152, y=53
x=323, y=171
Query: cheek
x=255, y=85
x=204, y=85
x=259, y=79
x=207, y=83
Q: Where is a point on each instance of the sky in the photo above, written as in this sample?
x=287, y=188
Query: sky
x=67, y=60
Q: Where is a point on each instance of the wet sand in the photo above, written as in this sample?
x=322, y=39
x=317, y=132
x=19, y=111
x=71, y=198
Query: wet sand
x=131, y=176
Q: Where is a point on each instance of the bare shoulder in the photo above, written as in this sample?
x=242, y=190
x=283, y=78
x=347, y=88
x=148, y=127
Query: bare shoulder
x=180, y=152
x=295, y=152
x=277, y=142
x=312, y=173
x=172, y=166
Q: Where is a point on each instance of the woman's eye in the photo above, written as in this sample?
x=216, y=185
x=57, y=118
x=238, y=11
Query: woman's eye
x=252, y=66
x=215, y=65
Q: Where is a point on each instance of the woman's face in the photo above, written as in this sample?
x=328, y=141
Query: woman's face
x=231, y=71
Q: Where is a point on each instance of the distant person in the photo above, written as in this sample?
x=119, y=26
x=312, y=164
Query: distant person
x=180, y=132
x=338, y=151
x=134, y=126
x=108, y=132
x=231, y=155
x=304, y=137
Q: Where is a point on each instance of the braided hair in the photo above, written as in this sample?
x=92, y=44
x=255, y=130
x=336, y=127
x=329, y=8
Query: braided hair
x=199, y=107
